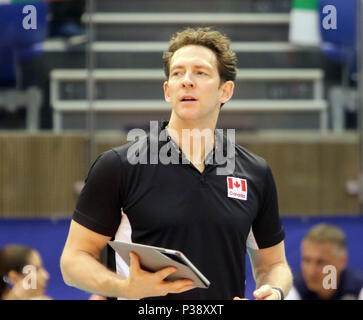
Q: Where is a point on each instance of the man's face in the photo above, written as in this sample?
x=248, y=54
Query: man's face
x=41, y=274
x=314, y=257
x=194, y=87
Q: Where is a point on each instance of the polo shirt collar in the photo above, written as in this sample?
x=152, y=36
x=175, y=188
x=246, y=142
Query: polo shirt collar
x=215, y=157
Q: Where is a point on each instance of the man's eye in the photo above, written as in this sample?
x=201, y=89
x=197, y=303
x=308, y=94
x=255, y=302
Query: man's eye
x=201, y=73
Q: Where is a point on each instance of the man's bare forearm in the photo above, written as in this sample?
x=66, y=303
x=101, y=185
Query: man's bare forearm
x=278, y=275
x=85, y=272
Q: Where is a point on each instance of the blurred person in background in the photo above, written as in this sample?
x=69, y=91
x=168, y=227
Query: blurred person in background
x=324, y=273
x=15, y=278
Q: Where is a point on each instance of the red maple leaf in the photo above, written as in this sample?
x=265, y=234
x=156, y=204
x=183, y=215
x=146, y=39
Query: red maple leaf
x=236, y=184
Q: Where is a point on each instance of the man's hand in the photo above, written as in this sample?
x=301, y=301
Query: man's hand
x=265, y=292
x=142, y=284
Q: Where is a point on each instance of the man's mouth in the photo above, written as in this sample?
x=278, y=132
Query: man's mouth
x=188, y=99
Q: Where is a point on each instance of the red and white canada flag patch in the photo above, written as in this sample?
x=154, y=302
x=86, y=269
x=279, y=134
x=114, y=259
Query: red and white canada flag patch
x=237, y=188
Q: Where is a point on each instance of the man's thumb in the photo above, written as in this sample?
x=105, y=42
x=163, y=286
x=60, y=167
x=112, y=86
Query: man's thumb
x=134, y=260
x=263, y=291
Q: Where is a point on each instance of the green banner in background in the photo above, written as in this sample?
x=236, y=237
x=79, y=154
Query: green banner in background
x=304, y=23
x=305, y=4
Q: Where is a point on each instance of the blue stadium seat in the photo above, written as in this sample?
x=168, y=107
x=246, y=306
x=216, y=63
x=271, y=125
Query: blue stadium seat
x=339, y=44
x=345, y=33
x=12, y=32
x=7, y=68
x=15, y=40
x=19, y=46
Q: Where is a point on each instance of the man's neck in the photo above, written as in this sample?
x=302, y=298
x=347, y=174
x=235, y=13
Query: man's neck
x=195, y=138
x=326, y=294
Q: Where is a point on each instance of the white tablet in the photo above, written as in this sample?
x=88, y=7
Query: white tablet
x=155, y=258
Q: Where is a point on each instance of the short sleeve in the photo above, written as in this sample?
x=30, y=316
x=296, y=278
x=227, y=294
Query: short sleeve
x=99, y=205
x=267, y=228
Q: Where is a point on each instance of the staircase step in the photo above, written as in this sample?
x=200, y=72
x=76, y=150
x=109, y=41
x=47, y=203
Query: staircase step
x=148, y=55
x=160, y=26
x=238, y=114
x=147, y=83
x=193, y=5
x=187, y=18
x=150, y=74
x=160, y=105
x=251, y=121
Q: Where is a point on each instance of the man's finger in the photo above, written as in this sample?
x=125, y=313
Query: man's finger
x=183, y=289
x=134, y=261
x=179, y=283
x=263, y=291
x=163, y=273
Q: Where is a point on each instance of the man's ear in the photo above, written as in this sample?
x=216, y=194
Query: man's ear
x=166, y=91
x=343, y=261
x=14, y=277
x=226, y=90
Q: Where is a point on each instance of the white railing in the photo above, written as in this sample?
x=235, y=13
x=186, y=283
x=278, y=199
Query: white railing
x=188, y=18
x=160, y=46
x=317, y=104
x=153, y=74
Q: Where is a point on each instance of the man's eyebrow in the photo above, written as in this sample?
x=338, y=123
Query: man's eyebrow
x=197, y=66
x=178, y=66
x=203, y=66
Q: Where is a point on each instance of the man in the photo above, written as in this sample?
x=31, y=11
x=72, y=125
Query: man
x=22, y=274
x=184, y=205
x=324, y=275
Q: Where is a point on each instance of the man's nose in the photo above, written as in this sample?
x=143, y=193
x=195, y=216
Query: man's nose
x=187, y=81
x=314, y=269
x=45, y=274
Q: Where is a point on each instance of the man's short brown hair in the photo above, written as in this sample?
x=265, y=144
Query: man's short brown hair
x=326, y=233
x=212, y=39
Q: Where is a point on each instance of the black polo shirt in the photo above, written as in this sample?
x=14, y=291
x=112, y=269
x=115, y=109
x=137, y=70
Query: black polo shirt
x=208, y=216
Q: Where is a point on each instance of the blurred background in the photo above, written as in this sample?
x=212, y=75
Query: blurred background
x=76, y=79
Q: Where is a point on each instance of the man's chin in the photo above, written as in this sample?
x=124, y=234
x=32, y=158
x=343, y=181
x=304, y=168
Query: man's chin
x=188, y=114
x=314, y=285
